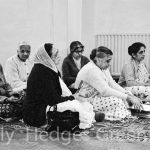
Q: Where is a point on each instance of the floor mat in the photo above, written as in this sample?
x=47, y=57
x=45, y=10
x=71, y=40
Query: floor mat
x=128, y=130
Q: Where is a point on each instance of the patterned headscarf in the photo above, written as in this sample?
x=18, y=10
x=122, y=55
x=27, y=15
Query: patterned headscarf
x=42, y=57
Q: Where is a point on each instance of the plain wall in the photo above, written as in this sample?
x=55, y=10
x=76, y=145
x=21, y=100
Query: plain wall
x=23, y=20
x=62, y=21
x=122, y=16
x=115, y=17
x=55, y=21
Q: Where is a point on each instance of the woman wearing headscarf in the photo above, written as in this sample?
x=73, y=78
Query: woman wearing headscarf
x=45, y=88
x=97, y=86
x=134, y=75
x=73, y=63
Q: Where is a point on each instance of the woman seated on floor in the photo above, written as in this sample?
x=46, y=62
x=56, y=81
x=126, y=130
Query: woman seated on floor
x=73, y=63
x=7, y=97
x=45, y=88
x=134, y=76
x=96, y=85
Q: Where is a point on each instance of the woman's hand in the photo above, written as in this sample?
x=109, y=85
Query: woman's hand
x=72, y=85
x=128, y=93
x=136, y=102
x=10, y=93
x=79, y=97
x=147, y=83
x=2, y=92
x=13, y=99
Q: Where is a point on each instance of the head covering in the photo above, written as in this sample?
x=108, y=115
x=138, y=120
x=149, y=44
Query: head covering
x=42, y=57
x=23, y=43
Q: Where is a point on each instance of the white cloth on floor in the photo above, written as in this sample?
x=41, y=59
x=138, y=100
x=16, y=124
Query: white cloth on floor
x=85, y=109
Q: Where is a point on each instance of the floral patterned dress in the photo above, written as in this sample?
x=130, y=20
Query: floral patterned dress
x=91, y=81
x=142, y=76
x=113, y=107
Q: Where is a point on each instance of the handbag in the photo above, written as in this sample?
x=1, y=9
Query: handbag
x=62, y=121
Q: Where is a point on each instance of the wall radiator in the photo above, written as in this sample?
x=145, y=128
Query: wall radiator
x=119, y=44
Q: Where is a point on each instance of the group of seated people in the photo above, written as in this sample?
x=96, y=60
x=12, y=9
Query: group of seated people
x=86, y=85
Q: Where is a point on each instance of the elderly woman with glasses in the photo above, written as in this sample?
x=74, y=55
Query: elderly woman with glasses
x=96, y=85
x=73, y=63
x=134, y=75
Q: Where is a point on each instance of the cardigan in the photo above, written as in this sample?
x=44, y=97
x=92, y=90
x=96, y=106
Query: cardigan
x=70, y=70
x=100, y=80
x=17, y=72
x=43, y=89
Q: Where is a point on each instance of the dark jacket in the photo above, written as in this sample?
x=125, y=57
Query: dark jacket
x=70, y=70
x=43, y=89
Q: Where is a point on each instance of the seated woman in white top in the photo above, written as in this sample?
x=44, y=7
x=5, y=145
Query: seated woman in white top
x=18, y=67
x=97, y=86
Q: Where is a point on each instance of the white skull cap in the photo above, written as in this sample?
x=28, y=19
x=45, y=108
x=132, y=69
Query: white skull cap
x=23, y=43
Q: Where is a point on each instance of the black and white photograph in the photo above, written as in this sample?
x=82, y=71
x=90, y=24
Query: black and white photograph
x=74, y=75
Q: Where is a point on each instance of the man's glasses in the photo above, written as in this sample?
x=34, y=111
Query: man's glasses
x=25, y=51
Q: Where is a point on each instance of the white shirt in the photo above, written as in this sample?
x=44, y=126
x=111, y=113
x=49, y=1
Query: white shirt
x=77, y=62
x=17, y=72
x=101, y=80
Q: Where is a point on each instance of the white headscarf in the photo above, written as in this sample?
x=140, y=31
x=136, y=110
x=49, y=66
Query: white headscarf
x=42, y=57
